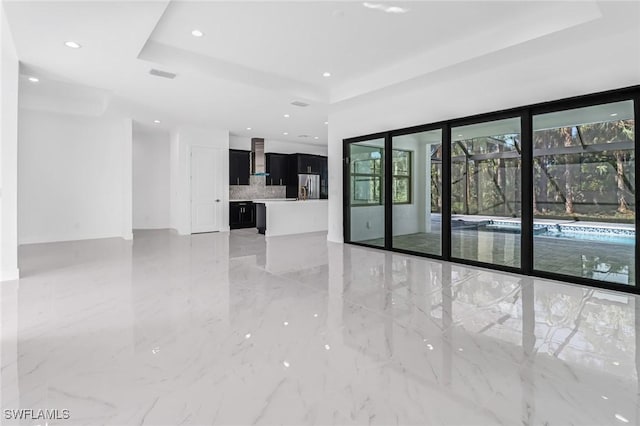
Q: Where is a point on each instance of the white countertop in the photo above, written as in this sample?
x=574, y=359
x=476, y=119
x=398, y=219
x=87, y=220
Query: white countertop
x=292, y=201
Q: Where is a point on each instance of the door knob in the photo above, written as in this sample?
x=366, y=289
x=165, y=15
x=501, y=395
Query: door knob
x=217, y=201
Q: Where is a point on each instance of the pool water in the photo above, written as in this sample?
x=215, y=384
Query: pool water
x=602, y=235
x=590, y=236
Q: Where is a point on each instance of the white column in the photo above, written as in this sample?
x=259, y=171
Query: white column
x=127, y=181
x=334, y=161
x=8, y=153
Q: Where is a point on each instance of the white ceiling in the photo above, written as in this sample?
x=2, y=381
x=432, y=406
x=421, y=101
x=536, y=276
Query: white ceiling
x=257, y=57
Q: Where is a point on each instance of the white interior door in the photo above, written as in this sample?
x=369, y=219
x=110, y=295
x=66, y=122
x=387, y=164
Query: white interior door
x=206, y=189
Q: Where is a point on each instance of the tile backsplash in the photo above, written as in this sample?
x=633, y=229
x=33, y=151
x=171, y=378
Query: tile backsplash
x=257, y=189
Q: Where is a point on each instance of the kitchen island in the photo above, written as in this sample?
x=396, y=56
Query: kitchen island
x=291, y=217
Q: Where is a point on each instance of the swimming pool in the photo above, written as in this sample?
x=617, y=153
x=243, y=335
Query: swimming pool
x=570, y=231
x=589, y=236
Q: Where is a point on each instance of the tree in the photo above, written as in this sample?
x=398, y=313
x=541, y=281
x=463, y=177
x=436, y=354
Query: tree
x=568, y=178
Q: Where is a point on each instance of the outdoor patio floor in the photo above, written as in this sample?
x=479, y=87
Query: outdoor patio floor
x=595, y=259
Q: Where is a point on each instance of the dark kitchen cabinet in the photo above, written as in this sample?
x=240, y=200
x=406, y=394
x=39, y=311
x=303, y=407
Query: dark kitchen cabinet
x=277, y=167
x=324, y=178
x=242, y=214
x=239, y=167
x=309, y=164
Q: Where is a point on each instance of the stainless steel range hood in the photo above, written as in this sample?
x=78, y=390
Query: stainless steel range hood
x=257, y=157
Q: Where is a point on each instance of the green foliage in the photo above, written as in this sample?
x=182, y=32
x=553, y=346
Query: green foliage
x=575, y=174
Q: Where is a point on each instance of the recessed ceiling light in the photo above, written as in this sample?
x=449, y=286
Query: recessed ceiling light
x=326, y=74
x=72, y=44
x=614, y=114
x=156, y=121
x=285, y=133
x=396, y=9
x=248, y=128
x=459, y=136
x=315, y=137
x=34, y=79
x=286, y=116
x=326, y=122
x=197, y=33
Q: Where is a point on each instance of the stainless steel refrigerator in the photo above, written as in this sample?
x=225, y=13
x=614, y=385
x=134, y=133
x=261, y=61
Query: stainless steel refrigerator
x=309, y=184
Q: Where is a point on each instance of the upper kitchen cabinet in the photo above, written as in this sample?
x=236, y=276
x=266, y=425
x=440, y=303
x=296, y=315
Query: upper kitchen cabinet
x=277, y=168
x=307, y=163
x=239, y=167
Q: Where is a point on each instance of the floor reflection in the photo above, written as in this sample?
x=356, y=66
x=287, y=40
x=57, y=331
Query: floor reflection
x=239, y=329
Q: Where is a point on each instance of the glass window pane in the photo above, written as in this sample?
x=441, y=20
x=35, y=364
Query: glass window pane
x=366, y=180
x=417, y=184
x=401, y=190
x=583, y=192
x=366, y=190
x=486, y=192
x=401, y=162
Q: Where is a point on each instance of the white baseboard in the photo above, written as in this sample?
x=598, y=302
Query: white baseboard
x=61, y=239
x=9, y=275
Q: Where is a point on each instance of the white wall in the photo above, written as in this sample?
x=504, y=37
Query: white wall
x=278, y=146
x=74, y=177
x=150, y=177
x=544, y=69
x=180, y=172
x=8, y=153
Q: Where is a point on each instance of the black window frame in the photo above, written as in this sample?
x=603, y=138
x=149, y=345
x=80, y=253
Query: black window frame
x=380, y=176
x=526, y=114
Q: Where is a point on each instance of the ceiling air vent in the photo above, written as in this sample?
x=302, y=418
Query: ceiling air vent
x=163, y=74
x=299, y=104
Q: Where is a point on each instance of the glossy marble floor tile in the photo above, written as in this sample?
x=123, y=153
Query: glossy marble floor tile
x=233, y=329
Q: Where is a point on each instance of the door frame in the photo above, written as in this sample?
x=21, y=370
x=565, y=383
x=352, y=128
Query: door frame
x=221, y=222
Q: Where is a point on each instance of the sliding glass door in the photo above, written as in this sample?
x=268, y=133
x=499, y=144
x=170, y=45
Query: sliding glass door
x=547, y=190
x=366, y=192
x=584, y=199
x=417, y=192
x=486, y=192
